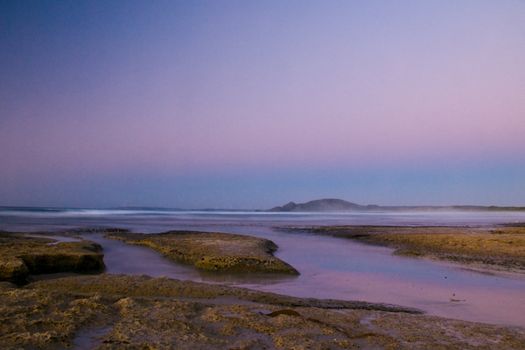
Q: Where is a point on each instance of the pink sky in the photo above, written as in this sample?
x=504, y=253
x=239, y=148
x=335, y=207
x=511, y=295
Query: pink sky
x=211, y=87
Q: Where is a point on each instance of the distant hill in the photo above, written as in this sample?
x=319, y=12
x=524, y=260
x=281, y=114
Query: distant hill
x=334, y=205
x=329, y=204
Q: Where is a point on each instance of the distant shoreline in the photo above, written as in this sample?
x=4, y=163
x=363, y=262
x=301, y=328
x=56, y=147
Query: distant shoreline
x=339, y=205
x=315, y=206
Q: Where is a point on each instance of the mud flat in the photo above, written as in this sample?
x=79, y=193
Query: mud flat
x=21, y=256
x=496, y=248
x=116, y=311
x=213, y=251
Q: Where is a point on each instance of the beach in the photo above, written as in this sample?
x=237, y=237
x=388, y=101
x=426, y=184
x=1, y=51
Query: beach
x=357, y=275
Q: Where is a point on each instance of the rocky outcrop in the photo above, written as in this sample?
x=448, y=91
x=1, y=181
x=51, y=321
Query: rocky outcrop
x=13, y=269
x=21, y=256
x=213, y=251
x=498, y=248
x=138, y=312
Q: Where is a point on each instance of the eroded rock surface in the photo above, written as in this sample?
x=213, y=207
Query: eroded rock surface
x=213, y=251
x=500, y=247
x=22, y=255
x=147, y=313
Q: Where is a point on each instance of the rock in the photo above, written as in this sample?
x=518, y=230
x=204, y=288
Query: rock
x=22, y=255
x=13, y=269
x=213, y=251
x=134, y=312
x=498, y=248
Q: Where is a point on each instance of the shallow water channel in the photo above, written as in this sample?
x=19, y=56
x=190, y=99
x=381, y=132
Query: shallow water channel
x=339, y=268
x=330, y=267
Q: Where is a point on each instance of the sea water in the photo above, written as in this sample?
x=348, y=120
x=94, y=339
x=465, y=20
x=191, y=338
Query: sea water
x=330, y=267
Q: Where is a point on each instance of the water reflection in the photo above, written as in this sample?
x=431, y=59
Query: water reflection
x=330, y=267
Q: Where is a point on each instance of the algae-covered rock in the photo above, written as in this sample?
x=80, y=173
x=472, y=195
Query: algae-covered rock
x=12, y=269
x=213, y=251
x=500, y=248
x=145, y=286
x=139, y=312
x=22, y=255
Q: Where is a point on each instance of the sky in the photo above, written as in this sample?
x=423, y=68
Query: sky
x=251, y=104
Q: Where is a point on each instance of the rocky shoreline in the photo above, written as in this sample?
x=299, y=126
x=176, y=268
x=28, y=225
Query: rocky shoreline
x=213, y=251
x=116, y=312
x=22, y=256
x=107, y=311
x=500, y=248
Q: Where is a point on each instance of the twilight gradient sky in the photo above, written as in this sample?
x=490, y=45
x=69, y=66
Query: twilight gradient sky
x=249, y=104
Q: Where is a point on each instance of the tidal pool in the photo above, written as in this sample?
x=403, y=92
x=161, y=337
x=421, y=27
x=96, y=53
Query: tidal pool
x=337, y=268
x=330, y=267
